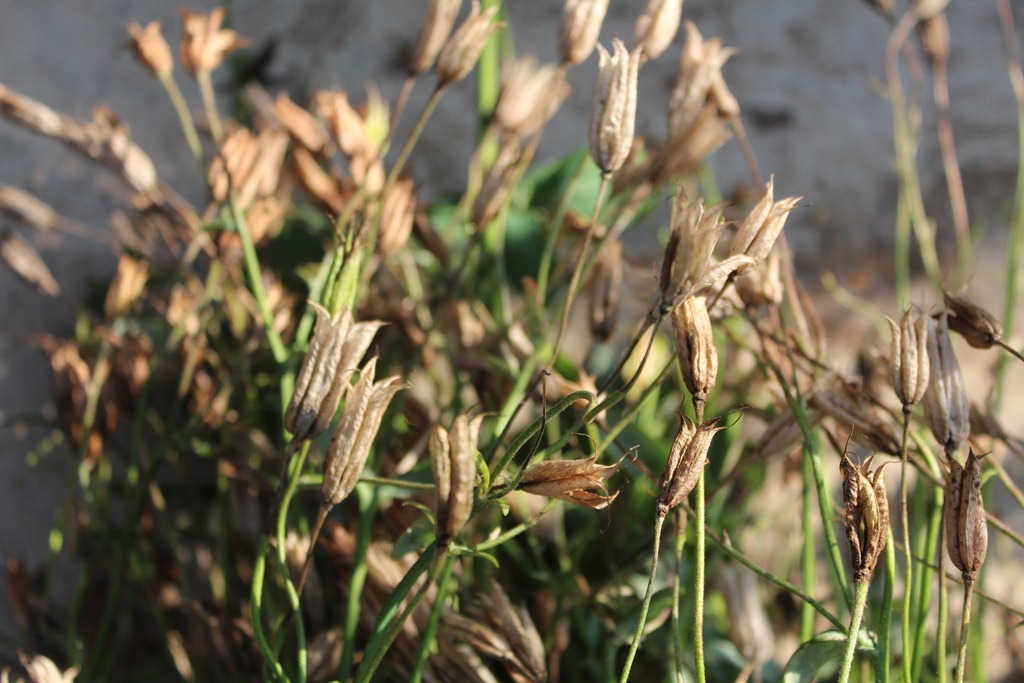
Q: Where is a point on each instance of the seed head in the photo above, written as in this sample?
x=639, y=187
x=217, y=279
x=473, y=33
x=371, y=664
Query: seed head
x=686, y=460
x=757, y=233
x=762, y=286
x=972, y=322
x=964, y=516
x=700, y=81
x=570, y=480
x=397, y=211
x=530, y=95
x=303, y=127
x=204, y=44
x=945, y=400
x=578, y=31
x=695, y=346
x=151, y=49
x=908, y=354
x=657, y=26
x=434, y=31
x=866, y=515
x=354, y=435
x=463, y=49
x=453, y=458
x=614, y=113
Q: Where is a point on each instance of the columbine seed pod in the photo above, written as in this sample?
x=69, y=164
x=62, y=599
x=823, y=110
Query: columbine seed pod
x=151, y=49
x=657, y=26
x=686, y=460
x=908, y=353
x=757, y=233
x=354, y=435
x=434, y=31
x=530, y=95
x=463, y=50
x=571, y=481
x=945, y=400
x=453, y=459
x=865, y=517
x=972, y=322
x=204, y=44
x=580, y=26
x=614, y=113
x=695, y=347
x=964, y=516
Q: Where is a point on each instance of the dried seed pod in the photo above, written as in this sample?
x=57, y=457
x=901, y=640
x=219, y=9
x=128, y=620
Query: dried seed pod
x=463, y=49
x=699, y=81
x=762, y=286
x=354, y=435
x=657, y=26
x=964, y=516
x=517, y=628
x=570, y=480
x=304, y=128
x=453, y=459
x=614, y=113
x=151, y=49
x=530, y=95
x=934, y=35
x=972, y=322
x=25, y=262
x=127, y=286
x=761, y=228
x=866, y=515
x=204, y=44
x=28, y=209
x=434, y=31
x=686, y=460
x=397, y=212
x=695, y=347
x=846, y=403
x=945, y=400
x=498, y=184
x=908, y=355
x=579, y=28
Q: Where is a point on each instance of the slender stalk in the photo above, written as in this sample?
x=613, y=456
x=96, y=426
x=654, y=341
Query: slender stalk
x=860, y=598
x=698, y=582
x=677, y=636
x=940, y=636
x=908, y=563
x=884, y=655
x=659, y=523
x=736, y=123
x=188, y=124
x=321, y=517
x=210, y=103
x=256, y=611
x=965, y=628
x=951, y=169
x=367, y=501
x=809, y=558
x=430, y=632
x=413, y=138
x=923, y=578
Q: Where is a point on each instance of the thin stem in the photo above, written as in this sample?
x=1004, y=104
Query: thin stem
x=659, y=522
x=210, y=103
x=256, y=611
x=965, y=628
x=321, y=517
x=677, y=636
x=860, y=598
x=940, y=636
x=430, y=632
x=188, y=124
x=367, y=500
x=414, y=137
x=951, y=168
x=809, y=557
x=748, y=151
x=884, y=656
x=908, y=566
x=698, y=583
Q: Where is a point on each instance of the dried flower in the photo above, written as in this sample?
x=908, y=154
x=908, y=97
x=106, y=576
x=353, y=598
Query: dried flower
x=25, y=262
x=463, y=49
x=964, y=516
x=700, y=81
x=762, y=286
x=657, y=26
x=686, y=460
x=695, y=347
x=127, y=285
x=434, y=31
x=204, y=44
x=866, y=515
x=972, y=322
x=354, y=435
x=614, y=113
x=304, y=128
x=249, y=165
x=945, y=400
x=908, y=355
x=530, y=96
x=570, y=480
x=453, y=458
x=151, y=49
x=337, y=345
x=579, y=28
x=847, y=403
x=757, y=233
x=397, y=212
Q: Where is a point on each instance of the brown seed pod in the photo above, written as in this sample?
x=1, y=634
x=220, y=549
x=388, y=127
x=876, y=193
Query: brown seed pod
x=964, y=516
x=453, y=459
x=865, y=515
x=686, y=460
x=695, y=347
x=909, y=357
x=614, y=114
x=972, y=322
x=571, y=481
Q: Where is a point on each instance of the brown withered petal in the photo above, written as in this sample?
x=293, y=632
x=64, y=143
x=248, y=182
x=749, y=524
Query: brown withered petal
x=434, y=31
x=686, y=460
x=151, y=49
x=972, y=322
x=614, y=115
x=453, y=459
x=345, y=123
x=579, y=29
x=530, y=95
x=463, y=49
x=570, y=480
x=25, y=262
x=964, y=516
x=657, y=26
x=204, y=44
x=945, y=400
x=762, y=286
x=908, y=355
x=866, y=515
x=360, y=420
x=248, y=164
x=695, y=346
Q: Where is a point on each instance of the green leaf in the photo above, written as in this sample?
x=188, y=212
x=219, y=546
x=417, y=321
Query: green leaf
x=820, y=656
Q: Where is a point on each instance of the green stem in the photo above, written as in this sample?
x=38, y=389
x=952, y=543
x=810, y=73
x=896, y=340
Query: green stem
x=884, y=657
x=810, y=564
x=256, y=611
x=860, y=598
x=430, y=632
x=413, y=138
x=659, y=523
x=965, y=627
x=924, y=577
x=677, y=636
x=210, y=103
x=908, y=566
x=940, y=636
x=188, y=125
x=367, y=501
x=698, y=584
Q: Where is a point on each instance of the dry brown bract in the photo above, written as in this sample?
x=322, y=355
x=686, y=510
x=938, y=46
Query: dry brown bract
x=686, y=460
x=204, y=44
x=866, y=515
x=570, y=480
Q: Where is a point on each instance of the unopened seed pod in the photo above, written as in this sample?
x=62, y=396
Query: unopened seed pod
x=434, y=31
x=908, y=353
x=964, y=516
x=695, y=346
x=614, y=113
x=945, y=400
x=865, y=516
x=579, y=28
x=657, y=26
x=463, y=49
x=972, y=322
x=453, y=459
